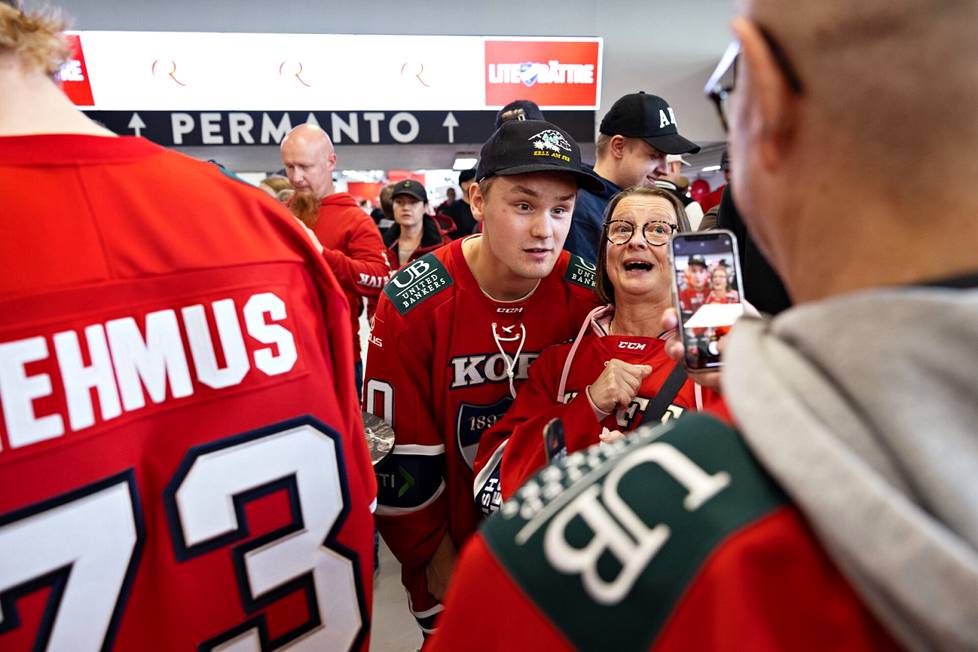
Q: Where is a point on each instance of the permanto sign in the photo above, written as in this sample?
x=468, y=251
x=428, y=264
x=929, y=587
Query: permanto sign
x=240, y=128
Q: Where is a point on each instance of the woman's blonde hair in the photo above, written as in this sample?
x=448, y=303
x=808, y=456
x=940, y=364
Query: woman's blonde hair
x=33, y=37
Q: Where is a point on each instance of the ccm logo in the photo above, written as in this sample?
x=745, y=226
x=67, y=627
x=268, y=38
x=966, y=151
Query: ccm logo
x=631, y=346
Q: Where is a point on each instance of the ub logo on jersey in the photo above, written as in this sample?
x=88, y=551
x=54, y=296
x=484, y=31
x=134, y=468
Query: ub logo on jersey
x=581, y=272
x=472, y=421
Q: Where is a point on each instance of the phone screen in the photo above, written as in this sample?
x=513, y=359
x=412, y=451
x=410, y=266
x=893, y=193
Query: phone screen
x=707, y=289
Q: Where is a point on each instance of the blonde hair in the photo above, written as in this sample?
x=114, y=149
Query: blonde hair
x=276, y=183
x=34, y=37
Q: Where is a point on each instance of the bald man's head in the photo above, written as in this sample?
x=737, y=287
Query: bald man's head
x=309, y=160
x=885, y=95
x=895, y=79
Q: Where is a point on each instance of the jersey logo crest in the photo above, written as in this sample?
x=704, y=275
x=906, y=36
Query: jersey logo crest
x=580, y=272
x=472, y=421
x=621, y=545
x=418, y=281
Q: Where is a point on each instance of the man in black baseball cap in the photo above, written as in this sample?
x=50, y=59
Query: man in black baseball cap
x=636, y=135
x=510, y=291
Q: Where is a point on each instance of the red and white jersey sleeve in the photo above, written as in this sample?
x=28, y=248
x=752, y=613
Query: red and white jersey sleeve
x=182, y=462
x=669, y=540
x=354, y=249
x=412, y=510
x=437, y=370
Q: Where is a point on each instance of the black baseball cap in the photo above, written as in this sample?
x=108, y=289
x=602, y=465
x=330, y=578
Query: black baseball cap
x=466, y=175
x=696, y=260
x=519, y=110
x=525, y=146
x=649, y=117
x=409, y=187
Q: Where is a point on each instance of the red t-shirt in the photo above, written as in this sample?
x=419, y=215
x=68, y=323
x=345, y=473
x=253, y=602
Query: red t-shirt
x=181, y=454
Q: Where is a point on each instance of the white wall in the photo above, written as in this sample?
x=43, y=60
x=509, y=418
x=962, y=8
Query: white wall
x=667, y=48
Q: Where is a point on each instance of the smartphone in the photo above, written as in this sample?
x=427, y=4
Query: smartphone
x=707, y=292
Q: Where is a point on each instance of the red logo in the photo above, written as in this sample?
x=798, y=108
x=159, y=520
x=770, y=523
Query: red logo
x=74, y=74
x=550, y=73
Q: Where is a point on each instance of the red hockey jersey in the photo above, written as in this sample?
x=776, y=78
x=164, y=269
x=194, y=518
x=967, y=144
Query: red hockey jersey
x=437, y=370
x=182, y=464
x=673, y=539
x=513, y=449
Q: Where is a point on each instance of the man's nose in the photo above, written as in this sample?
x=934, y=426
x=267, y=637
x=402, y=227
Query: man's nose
x=541, y=227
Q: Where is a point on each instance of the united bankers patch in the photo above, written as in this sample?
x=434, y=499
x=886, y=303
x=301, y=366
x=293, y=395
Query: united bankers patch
x=613, y=535
x=418, y=281
x=580, y=272
x=473, y=420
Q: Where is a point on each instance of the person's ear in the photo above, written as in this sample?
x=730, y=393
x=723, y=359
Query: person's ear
x=477, y=202
x=617, y=146
x=767, y=103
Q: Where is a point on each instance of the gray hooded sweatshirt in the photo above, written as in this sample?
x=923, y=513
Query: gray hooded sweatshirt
x=865, y=409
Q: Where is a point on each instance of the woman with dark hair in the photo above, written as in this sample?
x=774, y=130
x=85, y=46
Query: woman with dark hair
x=414, y=232
x=616, y=374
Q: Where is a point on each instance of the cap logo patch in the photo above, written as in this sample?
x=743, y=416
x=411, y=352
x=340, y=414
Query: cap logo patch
x=666, y=120
x=550, y=139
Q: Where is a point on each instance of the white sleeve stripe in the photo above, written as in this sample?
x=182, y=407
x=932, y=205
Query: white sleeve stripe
x=373, y=505
x=418, y=449
x=437, y=609
x=387, y=510
x=487, y=470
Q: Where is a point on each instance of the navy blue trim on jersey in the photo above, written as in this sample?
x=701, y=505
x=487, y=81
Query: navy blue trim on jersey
x=304, y=582
x=57, y=579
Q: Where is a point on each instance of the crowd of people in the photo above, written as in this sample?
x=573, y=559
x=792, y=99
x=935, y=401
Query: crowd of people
x=182, y=455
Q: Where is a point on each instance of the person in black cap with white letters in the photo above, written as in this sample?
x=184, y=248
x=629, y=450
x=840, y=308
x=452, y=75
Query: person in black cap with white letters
x=635, y=136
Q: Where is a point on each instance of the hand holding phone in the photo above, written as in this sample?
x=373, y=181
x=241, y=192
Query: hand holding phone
x=706, y=293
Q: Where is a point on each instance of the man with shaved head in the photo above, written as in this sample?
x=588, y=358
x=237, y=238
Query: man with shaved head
x=351, y=242
x=835, y=505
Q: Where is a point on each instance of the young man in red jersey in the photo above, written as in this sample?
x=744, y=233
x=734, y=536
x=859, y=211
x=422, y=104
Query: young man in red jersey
x=834, y=507
x=454, y=336
x=182, y=462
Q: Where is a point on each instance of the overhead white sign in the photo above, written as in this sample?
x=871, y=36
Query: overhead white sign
x=197, y=71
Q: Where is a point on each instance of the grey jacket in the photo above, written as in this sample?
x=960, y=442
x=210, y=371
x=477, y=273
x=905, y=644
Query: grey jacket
x=865, y=409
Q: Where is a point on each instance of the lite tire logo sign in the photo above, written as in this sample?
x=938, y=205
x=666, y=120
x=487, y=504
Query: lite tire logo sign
x=550, y=73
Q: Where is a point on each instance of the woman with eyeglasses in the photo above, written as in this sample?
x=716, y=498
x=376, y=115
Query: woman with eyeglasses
x=615, y=375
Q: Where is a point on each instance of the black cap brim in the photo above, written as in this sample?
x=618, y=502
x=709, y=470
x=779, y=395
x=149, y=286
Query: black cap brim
x=585, y=180
x=673, y=144
x=416, y=195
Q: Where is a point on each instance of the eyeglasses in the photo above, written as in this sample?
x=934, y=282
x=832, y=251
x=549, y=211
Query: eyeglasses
x=656, y=234
x=721, y=83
